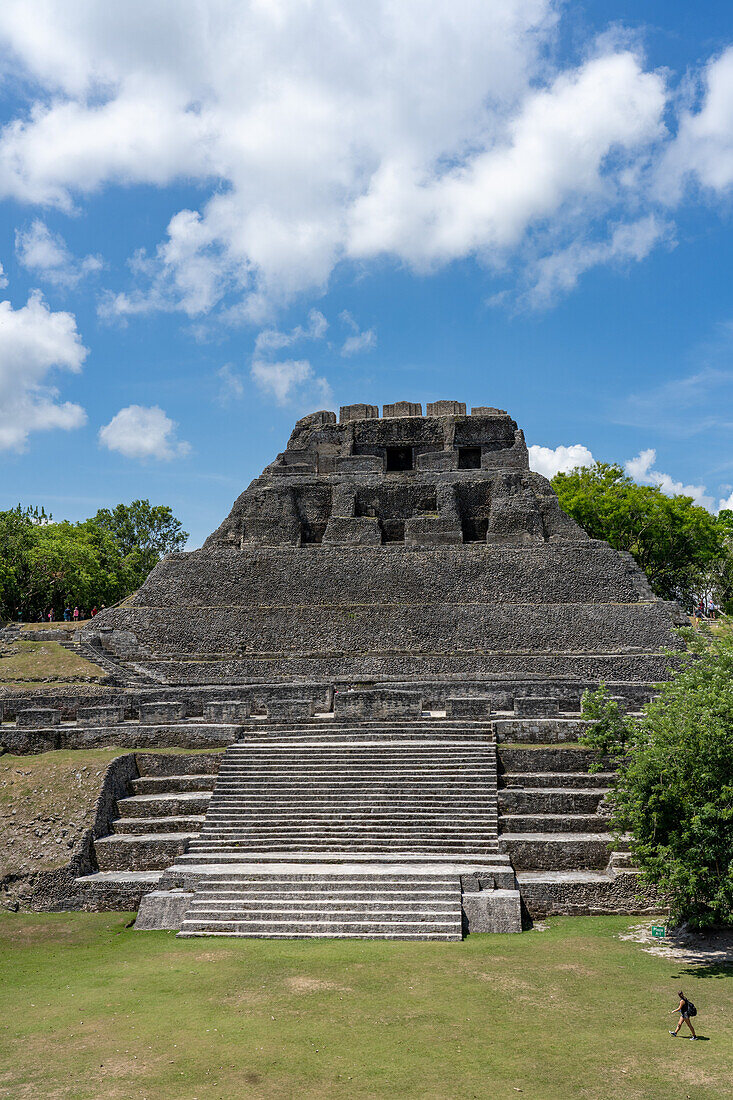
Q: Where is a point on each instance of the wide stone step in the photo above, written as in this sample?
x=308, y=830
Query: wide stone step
x=546, y=758
x=331, y=927
x=373, y=932
x=441, y=815
x=319, y=908
x=159, y=784
x=277, y=768
x=204, y=861
x=549, y=800
x=263, y=803
x=142, y=825
x=146, y=852
x=557, y=851
x=347, y=781
x=553, y=823
x=164, y=805
x=295, y=894
x=559, y=780
x=475, y=848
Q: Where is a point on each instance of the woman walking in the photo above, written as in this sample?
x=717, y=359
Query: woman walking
x=686, y=1009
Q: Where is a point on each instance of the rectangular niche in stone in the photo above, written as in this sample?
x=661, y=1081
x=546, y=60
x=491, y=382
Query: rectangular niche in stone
x=400, y=459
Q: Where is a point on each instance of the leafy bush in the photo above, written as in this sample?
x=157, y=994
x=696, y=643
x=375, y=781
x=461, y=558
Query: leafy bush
x=674, y=789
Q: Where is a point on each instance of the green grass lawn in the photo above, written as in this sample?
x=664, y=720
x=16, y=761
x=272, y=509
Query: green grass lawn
x=91, y=1009
x=28, y=663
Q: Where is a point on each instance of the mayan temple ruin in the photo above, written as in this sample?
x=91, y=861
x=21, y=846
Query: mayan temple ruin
x=381, y=651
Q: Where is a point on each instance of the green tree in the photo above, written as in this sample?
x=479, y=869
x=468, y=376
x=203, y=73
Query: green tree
x=143, y=533
x=674, y=788
x=46, y=565
x=679, y=545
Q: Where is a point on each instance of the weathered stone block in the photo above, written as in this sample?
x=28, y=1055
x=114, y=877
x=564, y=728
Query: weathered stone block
x=433, y=531
x=156, y=714
x=359, y=464
x=286, y=710
x=535, y=706
x=437, y=460
x=162, y=910
x=227, y=710
x=446, y=408
x=402, y=408
x=492, y=911
x=358, y=412
x=487, y=410
x=377, y=703
x=353, y=531
x=461, y=706
x=36, y=718
x=100, y=716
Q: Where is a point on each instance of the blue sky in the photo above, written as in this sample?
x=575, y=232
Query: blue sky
x=215, y=217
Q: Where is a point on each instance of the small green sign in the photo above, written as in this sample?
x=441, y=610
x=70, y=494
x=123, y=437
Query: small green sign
x=658, y=931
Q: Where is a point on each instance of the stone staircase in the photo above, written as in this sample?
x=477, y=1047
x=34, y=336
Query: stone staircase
x=327, y=902
x=360, y=829
x=325, y=728
x=549, y=805
x=367, y=796
x=163, y=812
x=554, y=826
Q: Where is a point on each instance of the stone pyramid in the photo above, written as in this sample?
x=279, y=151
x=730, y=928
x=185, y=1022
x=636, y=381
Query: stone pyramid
x=398, y=550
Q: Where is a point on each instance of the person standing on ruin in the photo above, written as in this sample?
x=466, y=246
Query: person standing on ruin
x=76, y=615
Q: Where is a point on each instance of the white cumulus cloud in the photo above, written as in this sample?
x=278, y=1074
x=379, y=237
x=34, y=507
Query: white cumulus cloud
x=549, y=461
x=143, y=432
x=641, y=470
x=289, y=380
x=46, y=255
x=702, y=151
x=34, y=341
x=321, y=133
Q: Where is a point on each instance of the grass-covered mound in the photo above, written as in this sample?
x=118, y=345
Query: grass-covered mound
x=91, y=1009
x=26, y=663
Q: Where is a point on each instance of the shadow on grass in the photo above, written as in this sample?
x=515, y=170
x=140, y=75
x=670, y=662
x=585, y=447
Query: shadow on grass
x=706, y=970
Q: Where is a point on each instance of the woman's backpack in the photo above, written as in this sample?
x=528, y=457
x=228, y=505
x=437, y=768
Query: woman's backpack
x=691, y=1010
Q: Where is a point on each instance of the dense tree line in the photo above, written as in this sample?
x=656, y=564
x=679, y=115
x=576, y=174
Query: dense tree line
x=48, y=566
x=686, y=552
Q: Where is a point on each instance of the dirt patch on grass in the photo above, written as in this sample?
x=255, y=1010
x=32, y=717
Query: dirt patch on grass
x=300, y=984
x=683, y=944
